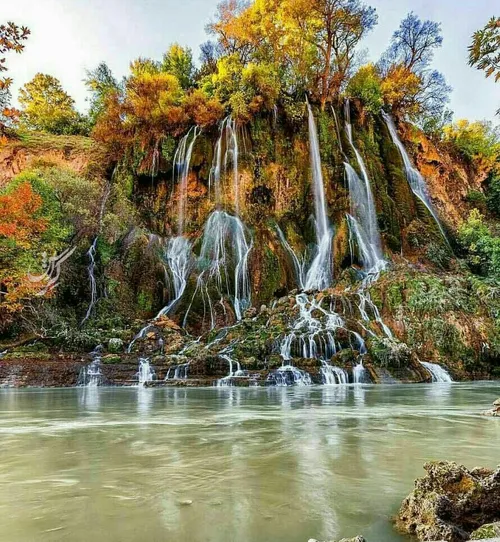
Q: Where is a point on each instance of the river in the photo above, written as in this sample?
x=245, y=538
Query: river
x=224, y=465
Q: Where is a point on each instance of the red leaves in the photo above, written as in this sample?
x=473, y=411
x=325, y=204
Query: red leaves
x=18, y=210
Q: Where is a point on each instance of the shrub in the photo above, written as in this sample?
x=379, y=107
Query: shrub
x=366, y=85
x=482, y=247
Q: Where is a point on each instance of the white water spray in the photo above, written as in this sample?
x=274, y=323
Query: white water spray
x=415, y=179
x=437, y=372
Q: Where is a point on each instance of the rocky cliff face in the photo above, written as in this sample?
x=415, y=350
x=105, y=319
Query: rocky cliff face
x=254, y=235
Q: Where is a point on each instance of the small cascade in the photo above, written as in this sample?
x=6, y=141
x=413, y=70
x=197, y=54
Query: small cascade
x=227, y=381
x=437, y=372
x=93, y=283
x=299, y=263
x=91, y=375
x=415, y=179
x=319, y=275
x=358, y=373
x=145, y=373
x=363, y=216
x=312, y=337
x=223, y=261
x=226, y=154
x=333, y=376
x=179, y=372
x=181, y=166
x=178, y=258
x=288, y=375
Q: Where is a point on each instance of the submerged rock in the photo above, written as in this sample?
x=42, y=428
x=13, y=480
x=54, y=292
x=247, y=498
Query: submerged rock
x=495, y=411
x=450, y=502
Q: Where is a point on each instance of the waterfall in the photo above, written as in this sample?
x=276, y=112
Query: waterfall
x=91, y=376
x=363, y=217
x=313, y=337
x=319, y=275
x=415, y=179
x=333, y=376
x=93, y=284
x=182, y=162
x=180, y=372
x=299, y=264
x=288, y=375
x=226, y=154
x=437, y=372
x=178, y=258
x=223, y=259
x=145, y=373
x=227, y=381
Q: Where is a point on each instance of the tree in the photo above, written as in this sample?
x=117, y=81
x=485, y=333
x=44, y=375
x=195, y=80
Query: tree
x=413, y=44
x=178, y=61
x=11, y=39
x=18, y=210
x=312, y=41
x=424, y=94
x=484, y=52
x=101, y=84
x=334, y=28
x=478, y=141
x=46, y=107
x=366, y=85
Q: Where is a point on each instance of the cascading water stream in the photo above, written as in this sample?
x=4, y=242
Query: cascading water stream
x=437, y=372
x=93, y=283
x=319, y=275
x=363, y=217
x=223, y=260
x=145, y=373
x=227, y=381
x=415, y=179
x=91, y=375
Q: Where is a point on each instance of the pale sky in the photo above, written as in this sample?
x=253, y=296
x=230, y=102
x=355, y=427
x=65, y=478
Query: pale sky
x=69, y=36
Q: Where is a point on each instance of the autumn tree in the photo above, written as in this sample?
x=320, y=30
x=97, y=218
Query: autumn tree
x=47, y=107
x=484, y=52
x=313, y=42
x=407, y=60
x=12, y=37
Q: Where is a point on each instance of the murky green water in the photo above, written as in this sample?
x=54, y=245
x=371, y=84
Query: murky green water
x=259, y=465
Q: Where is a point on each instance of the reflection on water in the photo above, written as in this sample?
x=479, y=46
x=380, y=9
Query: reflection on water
x=217, y=465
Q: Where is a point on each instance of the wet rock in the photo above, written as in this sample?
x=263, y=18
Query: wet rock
x=495, y=411
x=489, y=531
x=450, y=502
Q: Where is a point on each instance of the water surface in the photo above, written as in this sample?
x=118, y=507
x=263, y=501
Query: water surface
x=224, y=465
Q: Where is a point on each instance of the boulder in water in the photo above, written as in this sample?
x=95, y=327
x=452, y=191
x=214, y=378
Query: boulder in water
x=495, y=411
x=450, y=502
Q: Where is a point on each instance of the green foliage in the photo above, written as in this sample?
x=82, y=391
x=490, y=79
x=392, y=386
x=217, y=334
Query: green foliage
x=484, y=52
x=178, y=61
x=46, y=107
x=389, y=353
x=493, y=194
x=478, y=141
x=366, y=85
x=482, y=246
x=101, y=84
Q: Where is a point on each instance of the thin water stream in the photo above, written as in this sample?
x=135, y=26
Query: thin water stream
x=224, y=464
